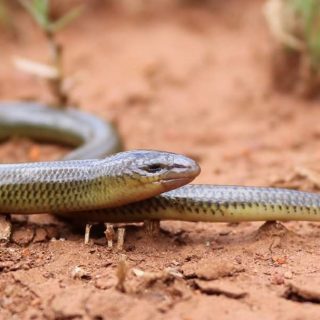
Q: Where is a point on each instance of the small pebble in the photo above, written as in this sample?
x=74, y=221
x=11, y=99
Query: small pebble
x=238, y=259
x=277, y=279
x=80, y=273
x=40, y=235
x=22, y=236
x=279, y=260
x=288, y=275
x=5, y=228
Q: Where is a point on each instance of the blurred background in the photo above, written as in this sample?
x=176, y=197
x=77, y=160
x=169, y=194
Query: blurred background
x=232, y=84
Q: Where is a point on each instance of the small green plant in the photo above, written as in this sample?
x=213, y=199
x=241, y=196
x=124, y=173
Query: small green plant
x=40, y=12
x=308, y=12
x=296, y=26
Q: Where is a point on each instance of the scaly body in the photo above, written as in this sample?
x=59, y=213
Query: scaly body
x=211, y=203
x=65, y=186
x=81, y=189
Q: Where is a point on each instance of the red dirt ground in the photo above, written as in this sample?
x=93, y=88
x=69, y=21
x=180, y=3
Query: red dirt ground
x=193, y=80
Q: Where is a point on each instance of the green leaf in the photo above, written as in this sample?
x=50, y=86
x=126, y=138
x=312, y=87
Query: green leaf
x=42, y=7
x=38, y=9
x=66, y=19
x=309, y=13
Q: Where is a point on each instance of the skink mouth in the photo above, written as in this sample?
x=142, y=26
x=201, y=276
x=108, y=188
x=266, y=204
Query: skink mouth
x=171, y=184
x=180, y=177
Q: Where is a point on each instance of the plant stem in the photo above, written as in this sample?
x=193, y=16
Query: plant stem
x=57, y=85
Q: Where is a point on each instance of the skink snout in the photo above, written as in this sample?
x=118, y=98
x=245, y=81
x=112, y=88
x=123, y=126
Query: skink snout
x=171, y=170
x=181, y=171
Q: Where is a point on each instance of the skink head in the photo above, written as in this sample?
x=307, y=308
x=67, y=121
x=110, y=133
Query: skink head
x=146, y=173
x=167, y=169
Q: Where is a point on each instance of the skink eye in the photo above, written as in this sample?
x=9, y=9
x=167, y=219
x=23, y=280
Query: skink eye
x=153, y=168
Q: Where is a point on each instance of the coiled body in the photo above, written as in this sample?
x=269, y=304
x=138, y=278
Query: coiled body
x=70, y=185
x=124, y=187
x=92, y=137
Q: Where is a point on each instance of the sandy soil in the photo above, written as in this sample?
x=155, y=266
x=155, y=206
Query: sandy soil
x=193, y=80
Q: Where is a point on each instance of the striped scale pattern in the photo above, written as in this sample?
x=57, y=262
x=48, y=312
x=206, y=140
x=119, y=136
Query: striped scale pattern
x=50, y=186
x=215, y=204
x=67, y=186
